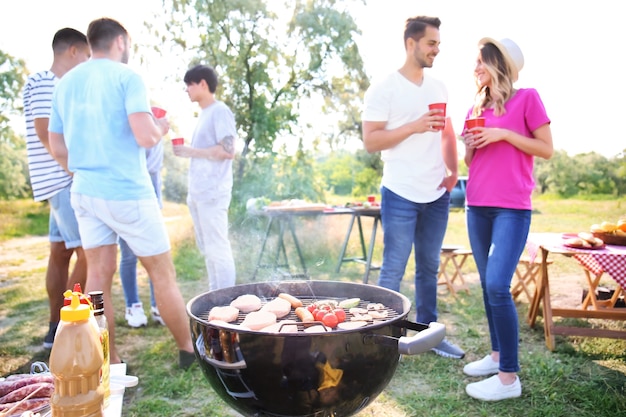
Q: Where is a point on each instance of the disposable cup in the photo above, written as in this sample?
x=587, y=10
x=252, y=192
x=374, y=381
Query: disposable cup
x=371, y=198
x=477, y=122
x=439, y=106
x=158, y=112
x=178, y=141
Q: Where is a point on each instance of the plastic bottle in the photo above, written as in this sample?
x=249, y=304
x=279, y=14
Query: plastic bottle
x=84, y=298
x=97, y=301
x=76, y=363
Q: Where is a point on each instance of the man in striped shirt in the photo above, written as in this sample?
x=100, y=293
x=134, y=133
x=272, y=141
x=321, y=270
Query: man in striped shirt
x=49, y=181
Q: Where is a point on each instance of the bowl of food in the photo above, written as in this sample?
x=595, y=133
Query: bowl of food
x=611, y=233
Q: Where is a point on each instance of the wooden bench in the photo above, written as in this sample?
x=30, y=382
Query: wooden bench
x=450, y=269
x=525, y=278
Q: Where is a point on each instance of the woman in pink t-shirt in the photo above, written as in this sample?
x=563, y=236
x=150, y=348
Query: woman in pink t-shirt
x=500, y=159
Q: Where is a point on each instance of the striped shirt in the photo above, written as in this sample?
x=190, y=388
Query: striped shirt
x=47, y=177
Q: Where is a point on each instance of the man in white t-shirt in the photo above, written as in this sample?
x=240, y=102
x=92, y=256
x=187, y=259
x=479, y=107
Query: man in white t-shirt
x=211, y=175
x=418, y=148
x=49, y=180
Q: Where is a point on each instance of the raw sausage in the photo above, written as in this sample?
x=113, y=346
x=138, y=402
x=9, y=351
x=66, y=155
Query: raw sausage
x=44, y=389
x=13, y=383
x=30, y=404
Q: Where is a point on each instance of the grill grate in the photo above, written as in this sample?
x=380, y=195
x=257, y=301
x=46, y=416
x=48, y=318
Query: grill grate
x=391, y=314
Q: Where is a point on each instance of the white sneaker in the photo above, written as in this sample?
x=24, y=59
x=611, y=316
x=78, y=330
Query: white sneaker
x=491, y=389
x=485, y=366
x=135, y=315
x=156, y=316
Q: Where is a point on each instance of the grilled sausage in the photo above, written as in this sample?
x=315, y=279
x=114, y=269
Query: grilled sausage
x=295, y=303
x=304, y=314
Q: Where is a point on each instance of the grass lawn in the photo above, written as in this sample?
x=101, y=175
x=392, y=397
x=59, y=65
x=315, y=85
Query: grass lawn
x=581, y=377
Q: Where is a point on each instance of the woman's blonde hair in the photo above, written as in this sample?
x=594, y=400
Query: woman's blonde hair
x=501, y=89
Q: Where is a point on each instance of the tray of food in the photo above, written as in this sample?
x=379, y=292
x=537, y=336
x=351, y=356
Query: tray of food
x=294, y=205
x=611, y=233
x=23, y=393
x=582, y=240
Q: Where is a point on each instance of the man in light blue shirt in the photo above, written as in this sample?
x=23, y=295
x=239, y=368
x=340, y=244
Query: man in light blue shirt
x=100, y=127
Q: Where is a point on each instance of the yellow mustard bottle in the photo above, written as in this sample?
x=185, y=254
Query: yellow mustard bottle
x=76, y=363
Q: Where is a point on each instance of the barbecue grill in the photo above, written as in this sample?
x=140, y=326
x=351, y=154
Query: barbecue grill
x=332, y=372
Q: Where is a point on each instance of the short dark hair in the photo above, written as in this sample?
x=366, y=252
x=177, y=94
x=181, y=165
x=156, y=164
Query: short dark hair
x=202, y=72
x=102, y=32
x=66, y=37
x=416, y=26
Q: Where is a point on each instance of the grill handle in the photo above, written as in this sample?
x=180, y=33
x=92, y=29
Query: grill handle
x=428, y=337
x=224, y=365
x=424, y=340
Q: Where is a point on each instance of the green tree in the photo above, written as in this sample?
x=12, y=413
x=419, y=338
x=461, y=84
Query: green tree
x=618, y=171
x=269, y=64
x=13, y=165
x=272, y=64
x=351, y=173
x=557, y=175
x=594, y=174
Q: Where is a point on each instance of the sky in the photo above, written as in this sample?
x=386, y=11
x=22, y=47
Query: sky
x=571, y=50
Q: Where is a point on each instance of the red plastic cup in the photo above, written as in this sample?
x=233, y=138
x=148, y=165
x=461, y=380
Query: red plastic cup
x=477, y=122
x=178, y=141
x=439, y=106
x=371, y=198
x=158, y=112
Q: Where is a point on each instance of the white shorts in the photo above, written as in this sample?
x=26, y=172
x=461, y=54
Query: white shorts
x=138, y=222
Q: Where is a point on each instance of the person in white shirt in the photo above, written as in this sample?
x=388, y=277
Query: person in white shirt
x=211, y=175
x=418, y=148
x=49, y=181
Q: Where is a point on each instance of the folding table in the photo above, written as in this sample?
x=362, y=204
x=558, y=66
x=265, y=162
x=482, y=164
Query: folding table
x=595, y=262
x=366, y=253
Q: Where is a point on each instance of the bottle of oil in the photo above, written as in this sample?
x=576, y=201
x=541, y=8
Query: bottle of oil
x=97, y=301
x=76, y=363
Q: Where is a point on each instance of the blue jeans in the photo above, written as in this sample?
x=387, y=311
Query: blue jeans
x=498, y=237
x=128, y=276
x=406, y=225
x=62, y=224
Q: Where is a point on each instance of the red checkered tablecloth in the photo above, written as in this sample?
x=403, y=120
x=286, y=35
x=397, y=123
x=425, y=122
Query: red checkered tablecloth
x=611, y=259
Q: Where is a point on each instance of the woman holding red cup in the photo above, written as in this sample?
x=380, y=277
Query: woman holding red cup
x=500, y=156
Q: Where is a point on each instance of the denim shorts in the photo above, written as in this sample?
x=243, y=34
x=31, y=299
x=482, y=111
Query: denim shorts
x=138, y=222
x=63, y=226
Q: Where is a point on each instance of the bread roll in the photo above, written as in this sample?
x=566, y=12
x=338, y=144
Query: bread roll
x=279, y=306
x=247, y=303
x=258, y=320
x=226, y=313
x=283, y=326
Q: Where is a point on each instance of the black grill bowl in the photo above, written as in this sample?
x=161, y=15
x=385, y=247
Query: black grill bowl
x=333, y=373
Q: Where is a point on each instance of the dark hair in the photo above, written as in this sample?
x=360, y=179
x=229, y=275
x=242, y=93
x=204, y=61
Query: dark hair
x=199, y=73
x=102, y=32
x=416, y=26
x=66, y=37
